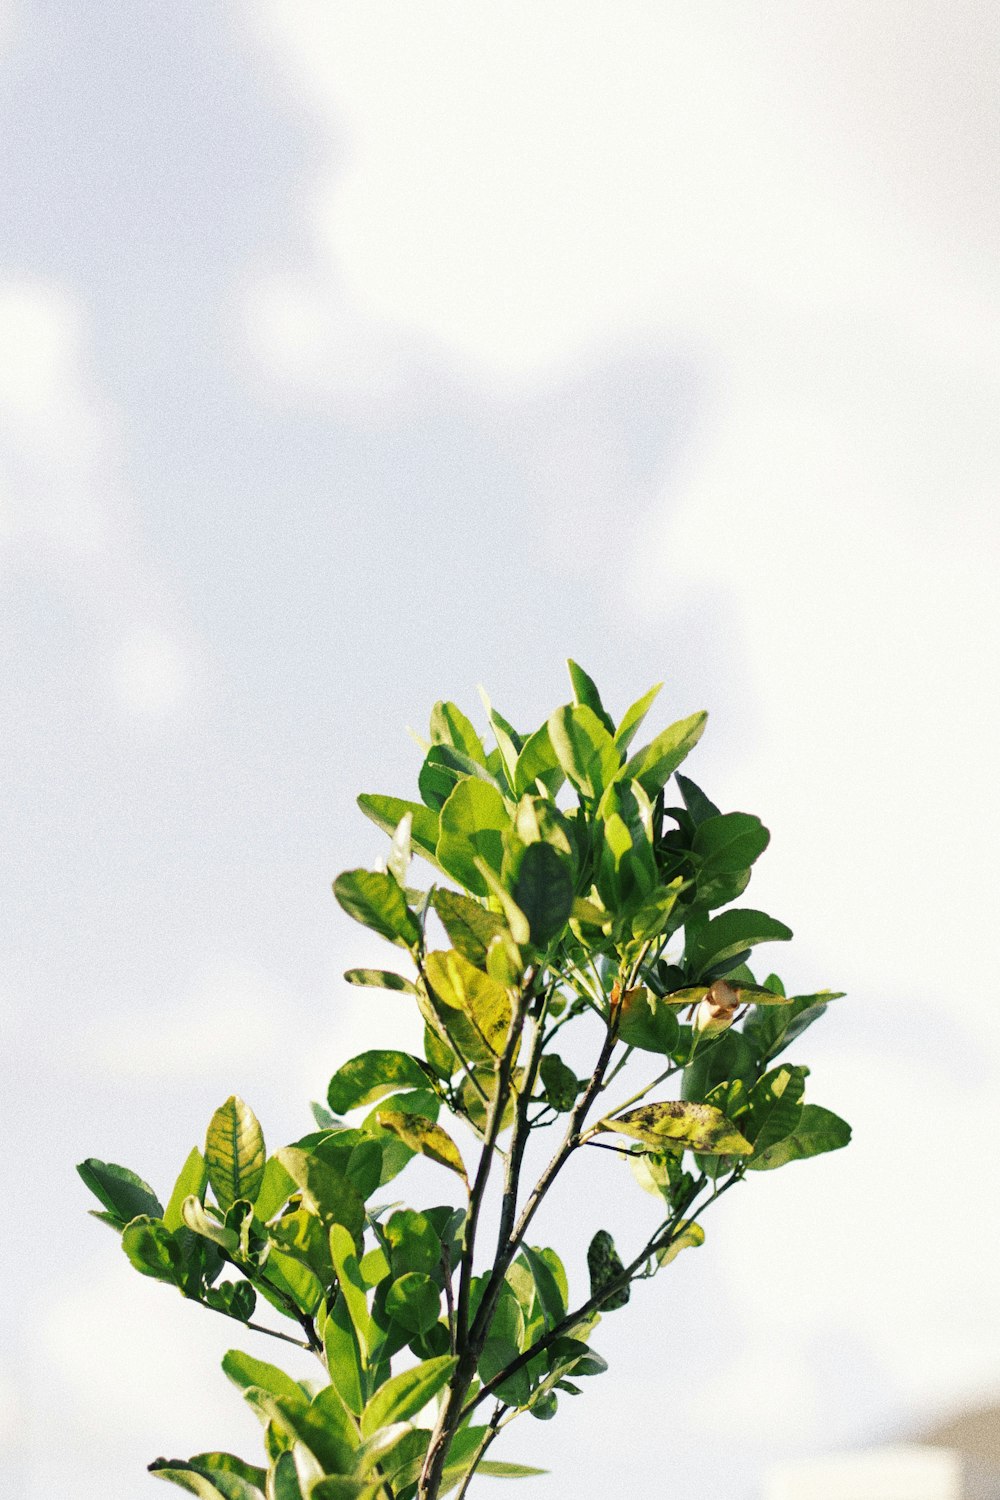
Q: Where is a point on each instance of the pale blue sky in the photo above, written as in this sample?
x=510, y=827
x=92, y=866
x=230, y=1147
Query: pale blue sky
x=351, y=356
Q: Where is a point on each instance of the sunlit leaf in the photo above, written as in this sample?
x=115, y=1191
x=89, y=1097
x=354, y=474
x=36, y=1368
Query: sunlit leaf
x=653, y=766
x=375, y=899
x=473, y=821
x=428, y=1139
x=234, y=1152
x=371, y=1076
x=677, y=1122
x=403, y=1396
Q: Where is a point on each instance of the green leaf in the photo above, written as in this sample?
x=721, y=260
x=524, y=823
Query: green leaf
x=246, y=1371
x=473, y=821
x=646, y=1022
x=584, y=748
x=538, y=761
x=543, y=889
x=387, y=813
x=605, y=1265
x=497, y=1354
x=818, y=1130
x=352, y=1286
x=228, y=1463
x=208, y=1485
x=469, y=925
x=775, y=1107
x=449, y=726
x=730, y=933
x=687, y=1236
x=343, y=1356
x=459, y=985
x=770, y=1029
x=551, y=1295
x=729, y=843
x=678, y=1122
x=560, y=1083
x=193, y=1179
x=653, y=766
x=509, y=742
x=414, y=1243
x=428, y=1139
x=343, y=1487
x=234, y=1153
x=196, y=1218
x=123, y=1194
x=698, y=805
x=326, y=1190
x=375, y=899
x=585, y=695
x=153, y=1251
x=379, y=979
x=275, y=1190
x=495, y=1468
x=630, y=724
x=403, y=1396
x=371, y=1076
x=414, y=1301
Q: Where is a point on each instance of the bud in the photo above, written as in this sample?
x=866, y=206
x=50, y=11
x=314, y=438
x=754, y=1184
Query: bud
x=716, y=1012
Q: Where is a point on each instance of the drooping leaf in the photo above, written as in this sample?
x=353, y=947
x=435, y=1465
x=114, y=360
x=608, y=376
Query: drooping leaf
x=728, y=843
x=770, y=1029
x=404, y=1395
x=375, y=899
x=630, y=724
x=584, y=748
x=687, y=1236
x=543, y=889
x=469, y=925
x=387, y=812
x=653, y=766
x=207, y=1485
x=460, y=986
x=473, y=821
x=605, y=1266
x=818, y=1130
x=228, y=1463
x=585, y=694
x=677, y=1122
x=371, y=1076
x=730, y=933
x=428, y=1139
x=123, y=1194
x=234, y=1152
x=193, y=1179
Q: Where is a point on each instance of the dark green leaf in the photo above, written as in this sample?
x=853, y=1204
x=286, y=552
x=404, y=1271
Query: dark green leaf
x=775, y=1107
x=123, y=1194
x=543, y=889
x=551, y=1296
x=414, y=1244
x=228, y=1463
x=698, y=805
x=371, y=1076
x=219, y=1484
x=653, y=766
x=153, y=1250
x=585, y=694
x=770, y=1029
x=605, y=1266
x=818, y=1130
x=729, y=843
x=374, y=898
x=560, y=1083
x=730, y=933
x=497, y=1354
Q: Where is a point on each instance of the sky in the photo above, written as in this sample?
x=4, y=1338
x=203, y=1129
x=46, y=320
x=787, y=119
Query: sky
x=351, y=356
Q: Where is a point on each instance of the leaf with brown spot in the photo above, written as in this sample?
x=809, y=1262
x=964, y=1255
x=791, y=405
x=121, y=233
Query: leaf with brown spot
x=680, y=1124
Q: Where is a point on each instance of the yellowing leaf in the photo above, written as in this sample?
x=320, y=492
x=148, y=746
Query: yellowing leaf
x=460, y=986
x=687, y=1236
x=422, y=1135
x=234, y=1152
x=679, y=1123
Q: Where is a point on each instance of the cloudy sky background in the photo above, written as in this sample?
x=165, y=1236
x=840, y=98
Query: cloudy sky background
x=353, y=355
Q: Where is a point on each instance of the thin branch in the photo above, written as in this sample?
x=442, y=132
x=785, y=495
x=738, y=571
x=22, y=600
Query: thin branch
x=492, y=1429
x=275, y=1334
